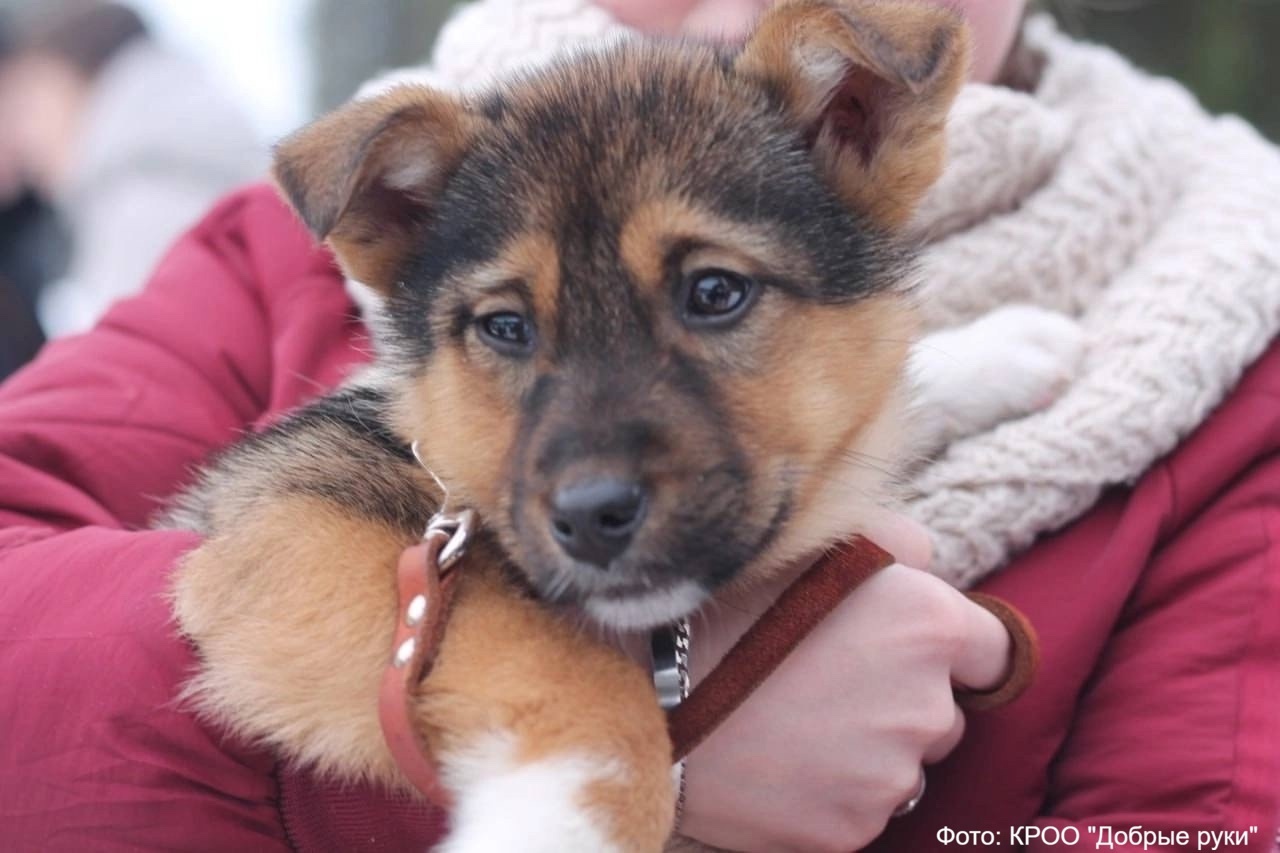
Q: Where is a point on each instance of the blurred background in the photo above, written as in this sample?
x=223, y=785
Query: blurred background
x=157, y=107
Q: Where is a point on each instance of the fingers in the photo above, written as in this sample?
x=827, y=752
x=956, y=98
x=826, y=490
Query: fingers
x=982, y=656
x=906, y=539
x=942, y=747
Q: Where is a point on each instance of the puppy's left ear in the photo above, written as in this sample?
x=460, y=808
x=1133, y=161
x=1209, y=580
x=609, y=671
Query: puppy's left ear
x=869, y=83
x=366, y=177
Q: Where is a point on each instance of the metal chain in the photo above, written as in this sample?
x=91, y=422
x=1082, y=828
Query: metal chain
x=670, y=648
x=680, y=635
x=680, y=638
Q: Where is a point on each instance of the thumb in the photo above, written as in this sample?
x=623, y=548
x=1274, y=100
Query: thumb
x=903, y=537
x=983, y=657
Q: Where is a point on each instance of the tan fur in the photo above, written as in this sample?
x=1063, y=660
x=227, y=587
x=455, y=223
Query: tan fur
x=831, y=416
x=535, y=260
x=451, y=407
x=315, y=611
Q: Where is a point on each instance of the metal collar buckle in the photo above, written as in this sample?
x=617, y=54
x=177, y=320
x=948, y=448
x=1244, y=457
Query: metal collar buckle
x=457, y=528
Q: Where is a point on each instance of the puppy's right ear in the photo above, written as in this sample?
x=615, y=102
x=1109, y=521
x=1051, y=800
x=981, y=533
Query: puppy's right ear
x=365, y=177
x=869, y=84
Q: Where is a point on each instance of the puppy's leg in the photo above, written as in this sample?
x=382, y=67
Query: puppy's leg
x=1004, y=365
x=291, y=602
x=548, y=740
x=554, y=741
x=292, y=612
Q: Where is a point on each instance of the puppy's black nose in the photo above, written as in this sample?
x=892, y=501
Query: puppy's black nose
x=594, y=520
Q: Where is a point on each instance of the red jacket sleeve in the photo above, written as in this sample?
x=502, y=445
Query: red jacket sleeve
x=104, y=425
x=97, y=752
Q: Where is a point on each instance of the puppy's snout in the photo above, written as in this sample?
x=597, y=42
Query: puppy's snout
x=595, y=520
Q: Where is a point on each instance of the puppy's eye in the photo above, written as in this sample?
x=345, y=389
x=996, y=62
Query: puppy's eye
x=507, y=332
x=717, y=297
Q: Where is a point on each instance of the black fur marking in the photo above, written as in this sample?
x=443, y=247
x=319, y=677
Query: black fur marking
x=462, y=321
x=538, y=397
x=724, y=573
x=360, y=410
x=467, y=230
x=339, y=449
x=494, y=106
x=689, y=379
x=708, y=545
x=627, y=440
x=565, y=446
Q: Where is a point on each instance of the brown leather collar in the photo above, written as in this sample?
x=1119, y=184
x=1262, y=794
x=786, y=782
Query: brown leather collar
x=425, y=592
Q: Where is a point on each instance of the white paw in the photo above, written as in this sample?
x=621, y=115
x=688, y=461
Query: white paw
x=504, y=805
x=1004, y=365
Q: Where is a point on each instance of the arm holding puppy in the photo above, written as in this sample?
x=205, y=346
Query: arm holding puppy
x=293, y=634
x=830, y=745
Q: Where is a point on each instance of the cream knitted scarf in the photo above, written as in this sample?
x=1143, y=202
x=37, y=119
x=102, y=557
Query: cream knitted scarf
x=1105, y=194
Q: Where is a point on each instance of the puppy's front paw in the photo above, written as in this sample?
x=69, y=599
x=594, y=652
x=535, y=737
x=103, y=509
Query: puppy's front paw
x=538, y=807
x=1004, y=365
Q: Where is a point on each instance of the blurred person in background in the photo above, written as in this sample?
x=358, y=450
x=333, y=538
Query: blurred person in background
x=129, y=141
x=33, y=248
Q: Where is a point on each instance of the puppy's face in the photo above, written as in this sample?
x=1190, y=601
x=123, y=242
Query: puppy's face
x=646, y=304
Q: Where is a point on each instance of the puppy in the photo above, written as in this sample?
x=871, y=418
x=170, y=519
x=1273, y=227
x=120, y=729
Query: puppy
x=647, y=313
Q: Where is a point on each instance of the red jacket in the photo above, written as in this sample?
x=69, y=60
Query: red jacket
x=1158, y=705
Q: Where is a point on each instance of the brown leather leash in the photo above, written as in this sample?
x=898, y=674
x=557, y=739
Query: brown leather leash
x=764, y=646
x=426, y=577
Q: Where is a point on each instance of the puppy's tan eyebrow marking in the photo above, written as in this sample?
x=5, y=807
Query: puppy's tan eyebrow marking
x=528, y=259
x=482, y=286
x=525, y=269
x=660, y=227
x=536, y=256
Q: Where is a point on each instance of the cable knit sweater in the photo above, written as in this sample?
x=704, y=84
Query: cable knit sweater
x=1105, y=194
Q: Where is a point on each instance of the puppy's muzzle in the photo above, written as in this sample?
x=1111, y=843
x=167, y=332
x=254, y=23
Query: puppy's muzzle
x=594, y=520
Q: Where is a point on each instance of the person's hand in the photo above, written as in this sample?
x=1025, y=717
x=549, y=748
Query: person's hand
x=825, y=750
